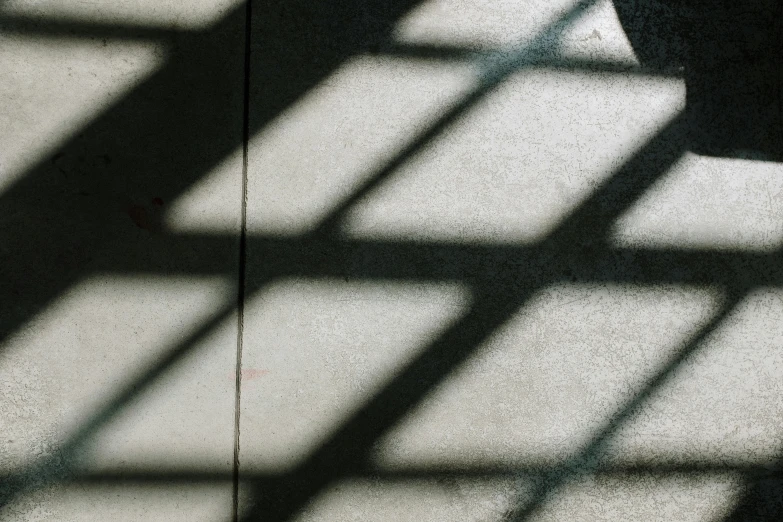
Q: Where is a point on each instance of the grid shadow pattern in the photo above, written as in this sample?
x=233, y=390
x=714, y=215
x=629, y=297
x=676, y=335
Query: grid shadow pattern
x=502, y=277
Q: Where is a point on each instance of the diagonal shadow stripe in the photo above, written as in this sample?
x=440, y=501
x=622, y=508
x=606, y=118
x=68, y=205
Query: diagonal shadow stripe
x=511, y=306
x=510, y=293
x=588, y=458
x=498, y=294
x=447, y=53
x=363, y=259
x=171, y=130
x=166, y=134
x=533, y=471
x=36, y=28
x=124, y=396
x=495, y=71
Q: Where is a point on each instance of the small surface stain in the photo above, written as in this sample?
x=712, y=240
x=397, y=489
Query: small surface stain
x=147, y=217
x=595, y=34
x=138, y=215
x=55, y=161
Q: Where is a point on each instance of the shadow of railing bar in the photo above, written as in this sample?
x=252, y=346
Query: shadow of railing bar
x=140, y=132
x=494, y=73
x=588, y=458
x=347, y=449
x=498, y=294
x=93, y=241
x=58, y=467
x=501, y=296
x=362, y=259
x=655, y=470
x=77, y=28
x=504, y=292
x=447, y=53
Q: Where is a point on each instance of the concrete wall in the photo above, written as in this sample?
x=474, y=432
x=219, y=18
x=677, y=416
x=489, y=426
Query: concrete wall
x=390, y=261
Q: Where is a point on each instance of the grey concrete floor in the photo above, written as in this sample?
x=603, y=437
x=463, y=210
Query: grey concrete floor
x=471, y=260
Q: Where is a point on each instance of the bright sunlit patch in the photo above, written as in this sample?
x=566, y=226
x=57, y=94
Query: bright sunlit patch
x=598, y=36
x=317, y=153
x=160, y=13
x=709, y=203
x=326, y=347
x=213, y=203
x=536, y=392
x=478, y=24
x=67, y=364
x=724, y=403
x=52, y=88
x=520, y=160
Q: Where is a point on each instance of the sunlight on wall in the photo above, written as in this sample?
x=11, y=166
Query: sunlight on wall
x=709, y=203
x=724, y=405
x=537, y=390
x=319, y=349
x=63, y=367
x=530, y=397
x=316, y=350
x=53, y=87
x=598, y=35
x=339, y=134
x=213, y=203
x=506, y=172
x=520, y=161
x=509, y=24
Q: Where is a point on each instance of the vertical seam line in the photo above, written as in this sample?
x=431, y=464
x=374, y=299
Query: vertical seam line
x=242, y=260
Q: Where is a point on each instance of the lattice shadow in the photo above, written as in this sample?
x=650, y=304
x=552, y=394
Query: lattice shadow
x=302, y=45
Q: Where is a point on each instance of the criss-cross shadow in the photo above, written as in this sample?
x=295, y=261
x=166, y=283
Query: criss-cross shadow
x=182, y=121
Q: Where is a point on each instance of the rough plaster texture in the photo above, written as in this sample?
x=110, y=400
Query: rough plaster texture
x=105, y=150
x=497, y=268
x=473, y=136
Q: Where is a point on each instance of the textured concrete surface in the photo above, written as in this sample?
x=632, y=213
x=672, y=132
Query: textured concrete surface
x=120, y=128
x=489, y=279
x=502, y=261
